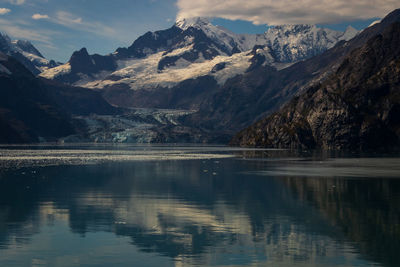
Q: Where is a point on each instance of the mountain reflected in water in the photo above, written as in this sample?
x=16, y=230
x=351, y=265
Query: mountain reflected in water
x=218, y=211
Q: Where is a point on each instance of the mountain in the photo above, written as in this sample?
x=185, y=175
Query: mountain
x=27, y=113
x=26, y=53
x=178, y=69
x=191, y=49
x=35, y=110
x=358, y=107
x=39, y=110
x=254, y=95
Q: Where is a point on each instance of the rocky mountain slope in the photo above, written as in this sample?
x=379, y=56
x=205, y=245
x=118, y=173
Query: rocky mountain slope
x=34, y=110
x=356, y=108
x=252, y=96
x=25, y=53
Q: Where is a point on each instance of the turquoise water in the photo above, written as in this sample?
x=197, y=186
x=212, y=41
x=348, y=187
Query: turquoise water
x=196, y=206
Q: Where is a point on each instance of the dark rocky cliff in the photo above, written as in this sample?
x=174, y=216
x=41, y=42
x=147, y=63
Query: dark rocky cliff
x=37, y=110
x=356, y=108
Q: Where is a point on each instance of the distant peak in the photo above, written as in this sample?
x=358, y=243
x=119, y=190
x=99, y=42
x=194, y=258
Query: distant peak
x=350, y=29
x=185, y=23
x=5, y=37
x=83, y=51
x=79, y=55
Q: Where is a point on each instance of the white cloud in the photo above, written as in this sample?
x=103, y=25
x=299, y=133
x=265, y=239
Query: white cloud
x=274, y=12
x=4, y=11
x=16, y=31
x=39, y=16
x=77, y=23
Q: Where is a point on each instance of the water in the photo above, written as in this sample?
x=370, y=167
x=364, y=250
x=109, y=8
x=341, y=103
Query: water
x=196, y=206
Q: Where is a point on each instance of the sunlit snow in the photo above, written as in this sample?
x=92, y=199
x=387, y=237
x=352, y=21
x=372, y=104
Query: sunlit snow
x=54, y=72
x=144, y=74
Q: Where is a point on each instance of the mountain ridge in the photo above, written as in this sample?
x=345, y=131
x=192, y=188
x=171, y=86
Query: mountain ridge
x=264, y=90
x=26, y=53
x=199, y=41
x=356, y=108
x=214, y=90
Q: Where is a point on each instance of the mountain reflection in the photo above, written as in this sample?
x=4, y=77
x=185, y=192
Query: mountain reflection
x=366, y=211
x=208, y=212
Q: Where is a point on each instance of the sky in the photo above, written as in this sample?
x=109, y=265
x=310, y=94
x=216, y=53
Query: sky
x=59, y=27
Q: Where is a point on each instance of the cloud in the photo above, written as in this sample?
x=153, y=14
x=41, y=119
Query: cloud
x=39, y=16
x=16, y=31
x=275, y=12
x=4, y=11
x=16, y=2
x=77, y=23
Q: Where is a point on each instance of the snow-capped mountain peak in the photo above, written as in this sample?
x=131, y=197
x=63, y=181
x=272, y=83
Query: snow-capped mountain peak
x=26, y=53
x=27, y=46
x=349, y=33
x=297, y=42
x=192, y=48
x=196, y=22
x=220, y=35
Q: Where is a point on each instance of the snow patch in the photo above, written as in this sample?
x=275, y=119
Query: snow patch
x=35, y=59
x=375, y=22
x=179, y=51
x=57, y=71
x=144, y=73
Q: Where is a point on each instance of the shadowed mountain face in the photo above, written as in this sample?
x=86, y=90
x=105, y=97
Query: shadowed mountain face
x=27, y=112
x=357, y=107
x=32, y=110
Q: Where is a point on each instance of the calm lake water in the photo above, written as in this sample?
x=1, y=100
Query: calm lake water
x=197, y=206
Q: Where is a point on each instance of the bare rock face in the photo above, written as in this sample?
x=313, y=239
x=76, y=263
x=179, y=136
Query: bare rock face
x=356, y=108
